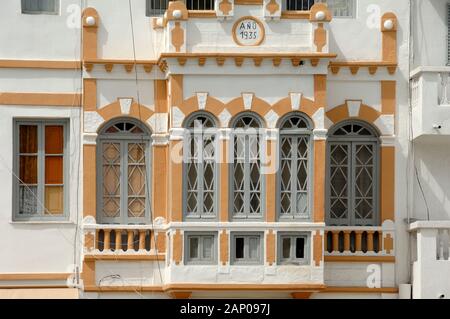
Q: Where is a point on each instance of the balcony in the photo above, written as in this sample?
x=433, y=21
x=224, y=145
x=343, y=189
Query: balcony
x=431, y=255
x=430, y=102
x=362, y=243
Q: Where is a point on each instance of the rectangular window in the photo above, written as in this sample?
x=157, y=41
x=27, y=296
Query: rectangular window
x=40, y=170
x=201, y=248
x=293, y=248
x=339, y=8
x=155, y=7
x=40, y=6
x=247, y=248
x=200, y=4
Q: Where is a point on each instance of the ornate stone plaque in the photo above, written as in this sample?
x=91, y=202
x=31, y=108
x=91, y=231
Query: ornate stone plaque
x=248, y=31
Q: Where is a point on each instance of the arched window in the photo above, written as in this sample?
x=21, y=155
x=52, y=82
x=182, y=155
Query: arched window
x=200, y=167
x=353, y=151
x=123, y=184
x=246, y=196
x=294, y=173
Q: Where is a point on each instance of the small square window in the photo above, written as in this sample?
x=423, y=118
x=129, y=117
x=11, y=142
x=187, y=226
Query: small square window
x=292, y=248
x=247, y=248
x=40, y=6
x=201, y=248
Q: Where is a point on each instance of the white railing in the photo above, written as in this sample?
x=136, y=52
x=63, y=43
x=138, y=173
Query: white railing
x=360, y=240
x=431, y=266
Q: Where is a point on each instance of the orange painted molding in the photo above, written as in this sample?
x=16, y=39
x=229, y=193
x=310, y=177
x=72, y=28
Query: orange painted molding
x=389, y=38
x=295, y=14
x=34, y=276
x=320, y=7
x=89, y=180
x=319, y=181
x=270, y=243
x=202, y=13
x=392, y=290
x=248, y=2
x=94, y=288
x=41, y=99
x=387, y=189
x=219, y=287
x=301, y=295
x=317, y=249
x=117, y=257
x=41, y=64
x=90, y=95
x=286, y=55
x=388, y=97
x=90, y=33
x=354, y=66
x=177, y=247
x=360, y=259
x=180, y=294
x=176, y=5
x=224, y=251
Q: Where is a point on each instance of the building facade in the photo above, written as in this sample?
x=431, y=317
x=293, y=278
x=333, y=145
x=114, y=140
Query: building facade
x=227, y=148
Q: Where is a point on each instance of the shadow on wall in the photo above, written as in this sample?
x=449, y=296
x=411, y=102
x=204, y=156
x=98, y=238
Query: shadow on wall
x=433, y=167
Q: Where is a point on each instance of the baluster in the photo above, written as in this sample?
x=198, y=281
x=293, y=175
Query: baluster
x=347, y=240
x=130, y=239
x=444, y=82
x=325, y=242
x=335, y=247
x=358, y=241
x=106, y=239
x=380, y=242
x=118, y=239
x=370, y=240
x=142, y=234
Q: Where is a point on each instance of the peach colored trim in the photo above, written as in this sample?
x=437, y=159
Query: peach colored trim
x=88, y=273
x=388, y=243
x=271, y=186
x=389, y=290
x=366, y=113
x=319, y=180
x=247, y=287
x=176, y=5
x=43, y=287
x=117, y=257
x=41, y=64
x=389, y=38
x=89, y=180
x=177, y=33
x=270, y=244
x=176, y=90
x=272, y=6
x=248, y=2
x=294, y=14
x=269, y=55
x=41, y=99
x=301, y=295
x=224, y=247
x=317, y=249
x=90, y=95
x=177, y=247
x=319, y=7
x=360, y=259
x=388, y=97
x=225, y=6
x=34, y=276
x=161, y=242
x=159, y=187
x=283, y=106
x=90, y=34
x=223, y=176
x=387, y=187
x=89, y=241
x=354, y=66
x=320, y=90
x=203, y=13
x=320, y=37
x=261, y=27
x=113, y=110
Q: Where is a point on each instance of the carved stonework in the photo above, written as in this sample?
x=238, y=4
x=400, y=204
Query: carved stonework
x=225, y=7
x=272, y=7
x=177, y=37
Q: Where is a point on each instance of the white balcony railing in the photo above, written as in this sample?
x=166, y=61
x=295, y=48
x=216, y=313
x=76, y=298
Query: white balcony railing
x=431, y=255
x=430, y=101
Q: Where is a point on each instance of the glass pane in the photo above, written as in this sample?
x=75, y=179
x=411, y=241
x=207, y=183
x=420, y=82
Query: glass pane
x=28, y=138
x=27, y=199
x=54, y=139
x=136, y=180
x=111, y=206
x=136, y=207
x=53, y=170
x=193, y=247
x=364, y=181
x=286, y=249
x=208, y=247
x=300, y=247
x=239, y=253
x=28, y=169
x=253, y=247
x=54, y=202
x=339, y=167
